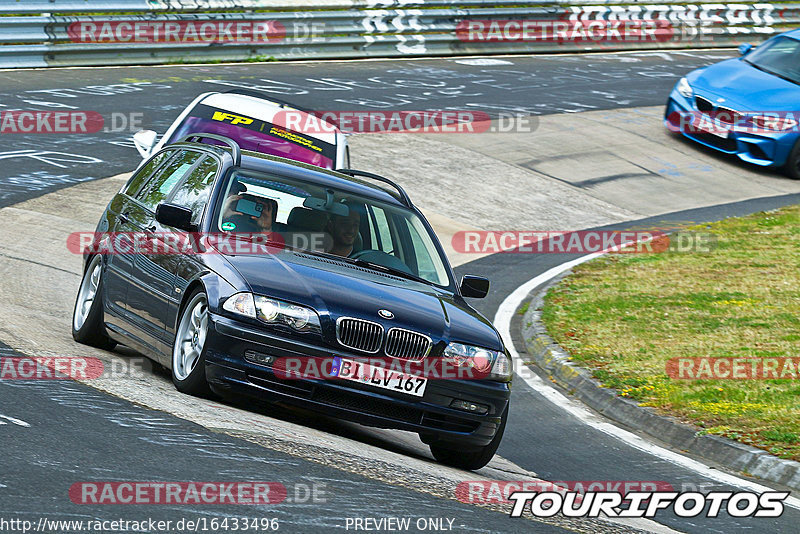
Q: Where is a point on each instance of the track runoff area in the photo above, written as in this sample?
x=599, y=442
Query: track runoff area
x=550, y=95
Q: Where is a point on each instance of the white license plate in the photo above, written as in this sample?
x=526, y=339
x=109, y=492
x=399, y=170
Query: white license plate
x=708, y=127
x=378, y=377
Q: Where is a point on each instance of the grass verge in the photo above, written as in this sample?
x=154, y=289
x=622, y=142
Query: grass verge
x=624, y=316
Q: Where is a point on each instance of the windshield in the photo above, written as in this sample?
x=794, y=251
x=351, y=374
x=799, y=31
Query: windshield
x=780, y=57
x=256, y=135
x=314, y=219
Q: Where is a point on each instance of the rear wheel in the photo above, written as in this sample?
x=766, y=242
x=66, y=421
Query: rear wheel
x=792, y=165
x=188, y=351
x=455, y=456
x=88, y=326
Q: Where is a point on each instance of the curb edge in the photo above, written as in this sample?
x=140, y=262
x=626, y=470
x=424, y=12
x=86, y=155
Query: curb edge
x=579, y=383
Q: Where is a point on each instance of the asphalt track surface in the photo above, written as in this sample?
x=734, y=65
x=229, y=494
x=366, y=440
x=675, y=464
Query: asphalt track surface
x=35, y=163
x=76, y=433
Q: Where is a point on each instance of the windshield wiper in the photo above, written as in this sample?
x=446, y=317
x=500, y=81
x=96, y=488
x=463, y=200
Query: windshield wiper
x=763, y=69
x=363, y=263
x=390, y=270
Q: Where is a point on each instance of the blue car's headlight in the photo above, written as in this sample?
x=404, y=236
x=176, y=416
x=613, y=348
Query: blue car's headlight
x=684, y=88
x=488, y=363
x=774, y=123
x=273, y=311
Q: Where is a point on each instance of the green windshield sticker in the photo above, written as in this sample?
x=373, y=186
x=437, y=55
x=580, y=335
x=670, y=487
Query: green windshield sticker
x=228, y=226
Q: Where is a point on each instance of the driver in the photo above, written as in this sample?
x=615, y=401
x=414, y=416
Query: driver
x=344, y=231
x=237, y=218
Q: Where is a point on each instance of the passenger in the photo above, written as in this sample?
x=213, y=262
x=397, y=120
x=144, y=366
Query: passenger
x=344, y=231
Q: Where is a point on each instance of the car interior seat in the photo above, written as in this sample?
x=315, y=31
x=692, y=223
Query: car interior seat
x=306, y=229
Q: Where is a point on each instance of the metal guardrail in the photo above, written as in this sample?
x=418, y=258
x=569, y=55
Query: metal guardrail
x=40, y=33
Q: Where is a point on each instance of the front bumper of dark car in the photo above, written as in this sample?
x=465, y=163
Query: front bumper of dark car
x=768, y=149
x=228, y=372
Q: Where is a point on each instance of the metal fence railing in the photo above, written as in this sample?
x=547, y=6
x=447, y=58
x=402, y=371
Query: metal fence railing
x=40, y=33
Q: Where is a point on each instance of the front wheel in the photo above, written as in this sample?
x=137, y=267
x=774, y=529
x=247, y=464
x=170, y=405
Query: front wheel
x=792, y=165
x=454, y=456
x=87, y=317
x=188, y=351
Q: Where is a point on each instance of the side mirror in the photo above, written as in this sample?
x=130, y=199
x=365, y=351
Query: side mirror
x=144, y=141
x=745, y=48
x=476, y=287
x=176, y=217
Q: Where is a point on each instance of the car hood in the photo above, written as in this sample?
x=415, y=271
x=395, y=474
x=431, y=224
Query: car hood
x=338, y=289
x=745, y=87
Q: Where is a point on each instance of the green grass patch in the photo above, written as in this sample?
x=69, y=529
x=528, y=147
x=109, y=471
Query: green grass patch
x=623, y=316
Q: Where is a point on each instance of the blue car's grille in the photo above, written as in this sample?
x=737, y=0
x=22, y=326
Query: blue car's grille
x=359, y=334
x=720, y=113
x=703, y=104
x=727, y=144
x=407, y=345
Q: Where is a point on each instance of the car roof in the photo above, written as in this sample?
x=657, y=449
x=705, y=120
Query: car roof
x=794, y=34
x=323, y=177
x=266, y=163
x=263, y=109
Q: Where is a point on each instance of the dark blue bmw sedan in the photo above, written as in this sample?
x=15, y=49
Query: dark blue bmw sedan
x=747, y=106
x=254, y=275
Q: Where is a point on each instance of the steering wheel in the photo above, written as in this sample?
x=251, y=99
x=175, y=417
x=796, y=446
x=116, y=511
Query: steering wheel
x=382, y=258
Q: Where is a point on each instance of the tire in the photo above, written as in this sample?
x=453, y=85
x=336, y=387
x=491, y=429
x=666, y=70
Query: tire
x=455, y=456
x=792, y=166
x=188, y=349
x=88, y=326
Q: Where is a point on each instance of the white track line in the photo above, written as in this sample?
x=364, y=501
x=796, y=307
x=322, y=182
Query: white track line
x=502, y=321
x=18, y=422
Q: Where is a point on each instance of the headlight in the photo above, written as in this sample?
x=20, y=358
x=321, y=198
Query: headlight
x=776, y=124
x=241, y=304
x=491, y=364
x=273, y=311
x=684, y=88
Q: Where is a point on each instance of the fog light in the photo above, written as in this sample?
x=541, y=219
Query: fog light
x=259, y=358
x=473, y=407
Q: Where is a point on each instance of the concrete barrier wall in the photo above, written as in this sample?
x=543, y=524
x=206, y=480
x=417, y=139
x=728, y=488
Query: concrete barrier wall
x=40, y=33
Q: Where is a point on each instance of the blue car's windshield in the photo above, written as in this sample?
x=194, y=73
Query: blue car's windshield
x=780, y=57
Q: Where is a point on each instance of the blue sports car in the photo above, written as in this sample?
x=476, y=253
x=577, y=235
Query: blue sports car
x=748, y=106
